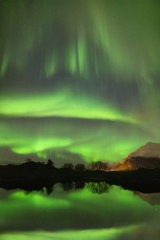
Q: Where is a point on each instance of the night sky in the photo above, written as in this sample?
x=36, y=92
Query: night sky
x=79, y=79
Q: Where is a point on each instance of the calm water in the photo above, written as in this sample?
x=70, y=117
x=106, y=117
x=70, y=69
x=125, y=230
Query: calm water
x=79, y=214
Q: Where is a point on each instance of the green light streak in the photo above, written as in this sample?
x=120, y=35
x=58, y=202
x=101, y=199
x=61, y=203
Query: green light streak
x=82, y=55
x=62, y=103
x=4, y=64
x=131, y=45
x=39, y=145
x=102, y=234
x=50, y=66
x=71, y=60
x=77, y=57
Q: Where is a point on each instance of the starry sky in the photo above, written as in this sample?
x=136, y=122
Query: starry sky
x=79, y=79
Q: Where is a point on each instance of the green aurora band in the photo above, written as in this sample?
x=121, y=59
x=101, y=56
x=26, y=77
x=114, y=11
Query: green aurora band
x=60, y=104
x=88, y=62
x=102, y=234
x=96, y=140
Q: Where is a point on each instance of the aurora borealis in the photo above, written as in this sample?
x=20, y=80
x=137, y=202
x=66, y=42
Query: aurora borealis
x=78, y=78
x=79, y=82
x=121, y=214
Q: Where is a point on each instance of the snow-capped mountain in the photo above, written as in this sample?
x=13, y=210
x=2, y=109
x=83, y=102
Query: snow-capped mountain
x=147, y=156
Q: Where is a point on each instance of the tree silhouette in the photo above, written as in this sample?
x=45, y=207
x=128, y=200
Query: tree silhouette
x=99, y=165
x=49, y=189
x=79, y=167
x=50, y=163
x=68, y=166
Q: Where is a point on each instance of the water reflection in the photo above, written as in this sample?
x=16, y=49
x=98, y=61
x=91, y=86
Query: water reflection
x=93, y=187
x=72, y=185
x=99, y=187
x=78, y=213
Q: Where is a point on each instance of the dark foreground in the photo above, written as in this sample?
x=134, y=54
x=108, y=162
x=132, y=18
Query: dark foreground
x=36, y=176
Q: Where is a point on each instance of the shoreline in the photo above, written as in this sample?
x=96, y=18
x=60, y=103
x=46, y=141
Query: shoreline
x=32, y=176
